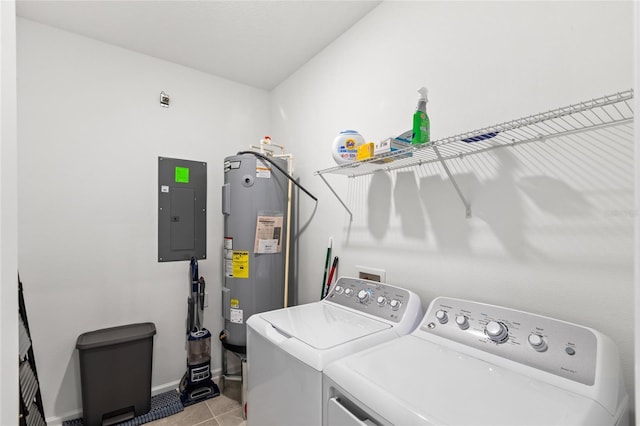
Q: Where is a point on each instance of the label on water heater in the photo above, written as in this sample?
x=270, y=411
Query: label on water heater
x=228, y=257
x=263, y=170
x=268, y=231
x=228, y=165
x=240, y=264
x=236, y=316
x=228, y=268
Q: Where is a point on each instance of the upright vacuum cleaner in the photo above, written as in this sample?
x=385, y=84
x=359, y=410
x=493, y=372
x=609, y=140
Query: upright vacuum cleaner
x=196, y=384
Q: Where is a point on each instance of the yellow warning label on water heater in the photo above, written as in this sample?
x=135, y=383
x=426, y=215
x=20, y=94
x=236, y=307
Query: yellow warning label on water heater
x=235, y=303
x=240, y=264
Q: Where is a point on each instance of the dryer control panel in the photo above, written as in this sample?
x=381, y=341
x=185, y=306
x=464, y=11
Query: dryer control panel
x=379, y=299
x=551, y=345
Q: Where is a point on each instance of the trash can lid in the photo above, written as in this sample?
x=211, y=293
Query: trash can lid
x=115, y=335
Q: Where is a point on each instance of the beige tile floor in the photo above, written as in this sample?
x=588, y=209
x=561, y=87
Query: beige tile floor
x=223, y=410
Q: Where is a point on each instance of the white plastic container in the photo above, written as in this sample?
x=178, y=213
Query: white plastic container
x=345, y=146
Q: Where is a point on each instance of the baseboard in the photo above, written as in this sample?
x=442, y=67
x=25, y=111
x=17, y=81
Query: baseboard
x=69, y=415
x=155, y=390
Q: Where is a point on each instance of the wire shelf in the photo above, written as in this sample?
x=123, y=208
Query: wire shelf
x=596, y=113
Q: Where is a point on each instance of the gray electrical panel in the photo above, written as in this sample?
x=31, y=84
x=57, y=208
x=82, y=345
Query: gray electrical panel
x=182, y=209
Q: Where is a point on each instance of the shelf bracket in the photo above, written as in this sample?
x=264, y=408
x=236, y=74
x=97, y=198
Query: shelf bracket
x=455, y=184
x=338, y=197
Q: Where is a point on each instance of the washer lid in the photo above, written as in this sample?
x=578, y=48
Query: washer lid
x=413, y=381
x=322, y=325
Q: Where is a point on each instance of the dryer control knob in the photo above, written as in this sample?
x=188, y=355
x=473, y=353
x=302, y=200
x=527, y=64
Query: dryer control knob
x=537, y=342
x=395, y=304
x=462, y=321
x=381, y=300
x=442, y=316
x=348, y=292
x=338, y=289
x=363, y=296
x=496, y=331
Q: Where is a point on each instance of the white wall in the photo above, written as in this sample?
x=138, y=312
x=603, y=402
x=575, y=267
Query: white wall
x=552, y=225
x=91, y=131
x=8, y=217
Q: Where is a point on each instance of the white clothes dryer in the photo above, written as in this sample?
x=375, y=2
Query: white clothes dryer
x=470, y=363
x=287, y=349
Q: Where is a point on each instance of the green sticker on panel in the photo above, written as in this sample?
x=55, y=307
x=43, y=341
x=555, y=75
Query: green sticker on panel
x=182, y=174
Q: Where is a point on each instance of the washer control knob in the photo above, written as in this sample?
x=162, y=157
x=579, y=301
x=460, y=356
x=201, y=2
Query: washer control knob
x=496, y=331
x=348, y=292
x=537, y=342
x=395, y=304
x=442, y=316
x=338, y=289
x=381, y=300
x=363, y=296
x=462, y=321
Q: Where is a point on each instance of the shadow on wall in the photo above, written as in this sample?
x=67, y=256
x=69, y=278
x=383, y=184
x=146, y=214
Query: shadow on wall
x=499, y=205
x=546, y=192
x=379, y=205
x=446, y=212
x=406, y=197
x=498, y=202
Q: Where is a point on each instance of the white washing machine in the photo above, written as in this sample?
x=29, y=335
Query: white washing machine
x=470, y=363
x=287, y=349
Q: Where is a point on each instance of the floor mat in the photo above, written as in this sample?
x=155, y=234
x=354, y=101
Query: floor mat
x=162, y=405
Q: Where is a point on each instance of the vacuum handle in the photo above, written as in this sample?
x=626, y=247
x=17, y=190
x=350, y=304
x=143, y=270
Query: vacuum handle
x=194, y=269
x=201, y=291
x=190, y=315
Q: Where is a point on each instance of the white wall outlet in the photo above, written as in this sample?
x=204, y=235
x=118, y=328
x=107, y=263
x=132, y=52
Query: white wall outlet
x=372, y=274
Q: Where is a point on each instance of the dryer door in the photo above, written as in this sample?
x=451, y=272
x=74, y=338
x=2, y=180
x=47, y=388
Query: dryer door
x=339, y=415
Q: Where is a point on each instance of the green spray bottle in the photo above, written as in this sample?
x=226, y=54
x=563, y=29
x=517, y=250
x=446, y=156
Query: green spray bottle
x=421, y=126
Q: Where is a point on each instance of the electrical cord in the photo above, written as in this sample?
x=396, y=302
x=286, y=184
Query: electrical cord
x=264, y=157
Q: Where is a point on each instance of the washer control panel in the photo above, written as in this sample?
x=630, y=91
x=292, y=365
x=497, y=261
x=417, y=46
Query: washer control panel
x=555, y=346
x=379, y=299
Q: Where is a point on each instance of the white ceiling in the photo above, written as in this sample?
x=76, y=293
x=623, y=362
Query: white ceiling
x=259, y=43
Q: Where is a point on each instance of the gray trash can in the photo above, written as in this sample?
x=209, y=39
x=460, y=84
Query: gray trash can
x=115, y=373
